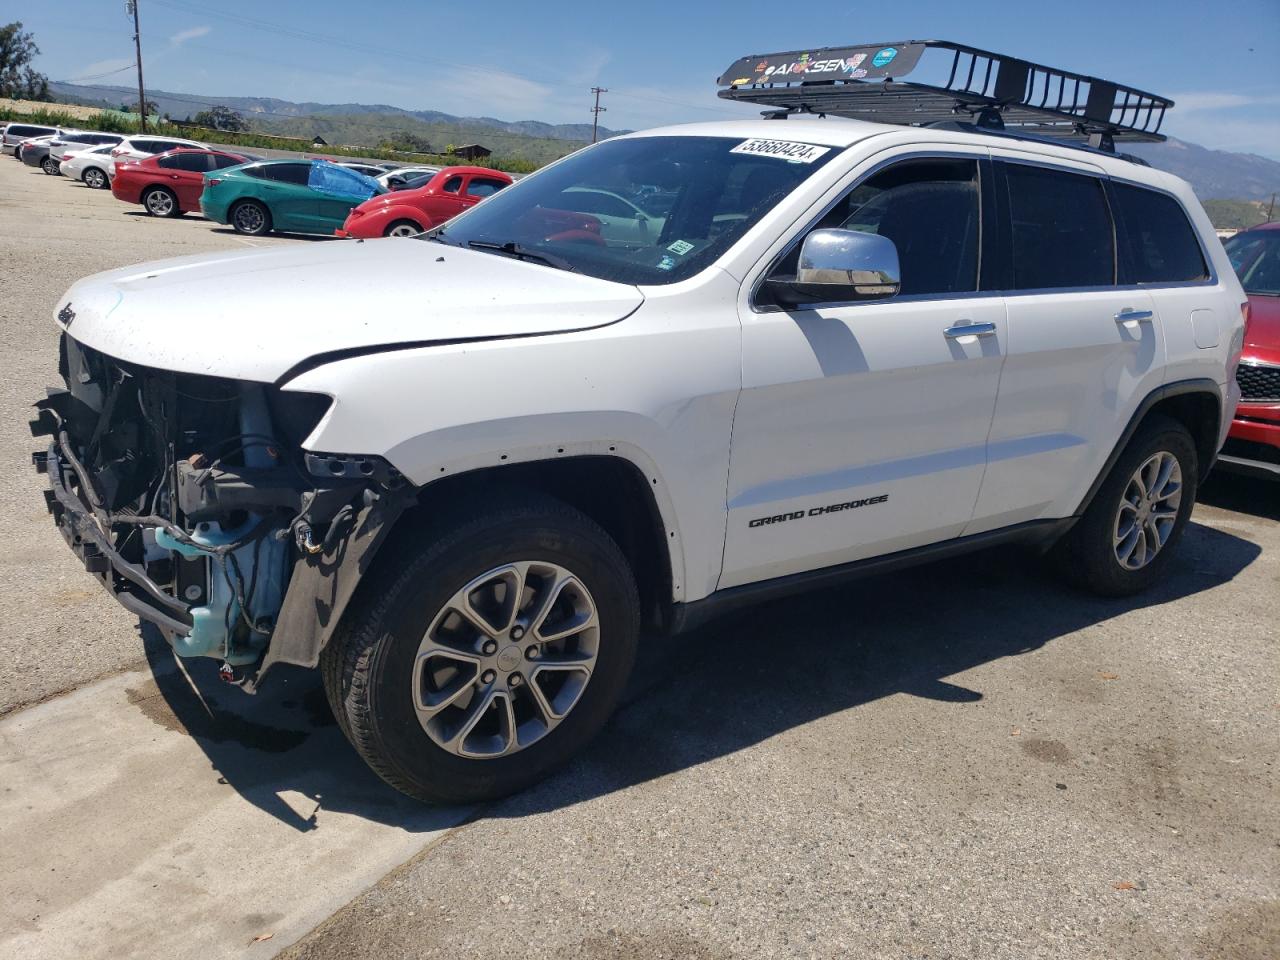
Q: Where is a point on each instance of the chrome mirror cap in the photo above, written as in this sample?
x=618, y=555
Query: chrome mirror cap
x=861, y=264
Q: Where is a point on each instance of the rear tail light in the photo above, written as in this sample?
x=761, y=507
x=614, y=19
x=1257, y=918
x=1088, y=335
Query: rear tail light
x=117, y=151
x=66, y=156
x=211, y=181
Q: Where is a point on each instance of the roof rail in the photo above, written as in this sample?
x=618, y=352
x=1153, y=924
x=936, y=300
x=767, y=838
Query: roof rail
x=994, y=92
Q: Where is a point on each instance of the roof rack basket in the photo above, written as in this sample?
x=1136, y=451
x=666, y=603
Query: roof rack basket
x=986, y=89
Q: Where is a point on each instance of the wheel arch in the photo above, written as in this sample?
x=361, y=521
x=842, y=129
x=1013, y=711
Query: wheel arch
x=1196, y=404
x=615, y=491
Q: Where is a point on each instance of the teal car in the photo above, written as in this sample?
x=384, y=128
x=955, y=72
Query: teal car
x=293, y=196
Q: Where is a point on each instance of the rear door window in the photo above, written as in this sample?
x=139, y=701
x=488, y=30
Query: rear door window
x=296, y=173
x=1062, y=231
x=1160, y=243
x=191, y=162
x=221, y=160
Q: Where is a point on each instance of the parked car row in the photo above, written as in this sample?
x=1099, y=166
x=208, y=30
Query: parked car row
x=169, y=177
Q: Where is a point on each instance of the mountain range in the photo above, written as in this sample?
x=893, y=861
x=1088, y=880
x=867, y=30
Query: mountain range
x=1214, y=174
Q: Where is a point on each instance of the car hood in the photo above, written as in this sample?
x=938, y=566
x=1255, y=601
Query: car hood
x=1264, y=324
x=255, y=315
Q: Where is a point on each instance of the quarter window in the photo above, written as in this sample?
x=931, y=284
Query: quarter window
x=483, y=186
x=1062, y=230
x=1161, y=244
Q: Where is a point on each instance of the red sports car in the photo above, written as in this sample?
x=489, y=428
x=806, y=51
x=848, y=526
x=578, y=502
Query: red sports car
x=1253, y=445
x=404, y=213
x=169, y=184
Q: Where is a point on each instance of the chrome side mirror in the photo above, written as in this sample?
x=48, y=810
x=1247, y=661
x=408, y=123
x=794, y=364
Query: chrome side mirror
x=841, y=265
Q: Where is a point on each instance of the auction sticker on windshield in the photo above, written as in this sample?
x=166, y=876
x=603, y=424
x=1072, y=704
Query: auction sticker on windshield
x=788, y=150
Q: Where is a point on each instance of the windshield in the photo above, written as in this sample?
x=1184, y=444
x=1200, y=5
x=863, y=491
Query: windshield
x=1255, y=255
x=649, y=210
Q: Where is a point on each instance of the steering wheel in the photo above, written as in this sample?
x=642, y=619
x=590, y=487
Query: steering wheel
x=577, y=235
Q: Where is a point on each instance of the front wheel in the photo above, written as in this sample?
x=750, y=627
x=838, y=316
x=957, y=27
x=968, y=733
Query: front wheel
x=403, y=228
x=1127, y=536
x=501, y=648
x=95, y=179
x=251, y=218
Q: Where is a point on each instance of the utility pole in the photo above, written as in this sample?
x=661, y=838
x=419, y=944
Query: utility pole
x=596, y=111
x=131, y=6
x=1272, y=209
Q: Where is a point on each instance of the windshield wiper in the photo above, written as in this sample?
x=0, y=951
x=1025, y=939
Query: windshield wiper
x=513, y=249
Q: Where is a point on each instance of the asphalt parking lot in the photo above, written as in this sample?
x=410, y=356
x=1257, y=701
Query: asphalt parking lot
x=967, y=760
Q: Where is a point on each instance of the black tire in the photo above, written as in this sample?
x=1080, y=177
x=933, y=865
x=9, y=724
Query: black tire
x=1087, y=555
x=368, y=666
x=393, y=229
x=95, y=179
x=50, y=166
x=160, y=202
x=242, y=219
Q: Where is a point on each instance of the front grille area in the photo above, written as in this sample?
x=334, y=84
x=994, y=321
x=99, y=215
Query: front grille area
x=1258, y=382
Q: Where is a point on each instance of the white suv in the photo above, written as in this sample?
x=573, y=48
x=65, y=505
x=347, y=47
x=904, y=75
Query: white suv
x=141, y=146
x=462, y=471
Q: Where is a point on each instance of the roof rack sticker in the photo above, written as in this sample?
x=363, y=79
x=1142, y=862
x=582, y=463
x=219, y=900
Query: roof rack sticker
x=959, y=84
x=790, y=150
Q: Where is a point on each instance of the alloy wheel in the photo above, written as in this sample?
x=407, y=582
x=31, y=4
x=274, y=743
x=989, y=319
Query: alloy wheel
x=1148, y=510
x=403, y=230
x=95, y=178
x=160, y=203
x=248, y=218
x=506, y=659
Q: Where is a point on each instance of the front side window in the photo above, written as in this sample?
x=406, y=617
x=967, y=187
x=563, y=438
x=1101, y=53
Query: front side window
x=341, y=181
x=1255, y=255
x=592, y=212
x=1062, y=230
x=931, y=211
x=1161, y=243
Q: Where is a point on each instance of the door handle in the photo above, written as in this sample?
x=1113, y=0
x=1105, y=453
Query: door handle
x=1129, y=315
x=968, y=329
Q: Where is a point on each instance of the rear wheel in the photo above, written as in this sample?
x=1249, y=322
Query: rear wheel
x=250, y=218
x=1128, y=534
x=160, y=202
x=49, y=166
x=498, y=652
x=95, y=178
x=403, y=228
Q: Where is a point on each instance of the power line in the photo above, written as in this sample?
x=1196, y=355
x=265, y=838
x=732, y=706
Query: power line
x=596, y=111
x=99, y=76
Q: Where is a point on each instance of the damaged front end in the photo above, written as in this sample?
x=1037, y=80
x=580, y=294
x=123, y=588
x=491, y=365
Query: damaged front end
x=191, y=499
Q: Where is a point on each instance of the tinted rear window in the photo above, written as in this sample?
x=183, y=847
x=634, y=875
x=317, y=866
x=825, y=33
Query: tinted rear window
x=287, y=173
x=1161, y=243
x=1062, y=231
x=191, y=162
x=19, y=130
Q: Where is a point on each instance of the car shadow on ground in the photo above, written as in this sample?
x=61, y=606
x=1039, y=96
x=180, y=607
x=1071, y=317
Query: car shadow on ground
x=722, y=689
x=281, y=234
x=1256, y=496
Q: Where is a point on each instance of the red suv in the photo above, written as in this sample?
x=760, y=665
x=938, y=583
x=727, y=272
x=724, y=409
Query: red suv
x=403, y=213
x=169, y=184
x=1253, y=445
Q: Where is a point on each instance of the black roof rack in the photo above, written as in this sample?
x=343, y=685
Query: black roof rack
x=990, y=90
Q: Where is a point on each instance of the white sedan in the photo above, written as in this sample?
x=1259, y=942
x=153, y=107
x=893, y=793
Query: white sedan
x=90, y=166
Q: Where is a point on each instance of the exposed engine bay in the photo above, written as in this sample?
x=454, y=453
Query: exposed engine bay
x=192, y=500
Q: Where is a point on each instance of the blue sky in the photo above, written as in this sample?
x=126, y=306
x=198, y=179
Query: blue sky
x=1219, y=60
